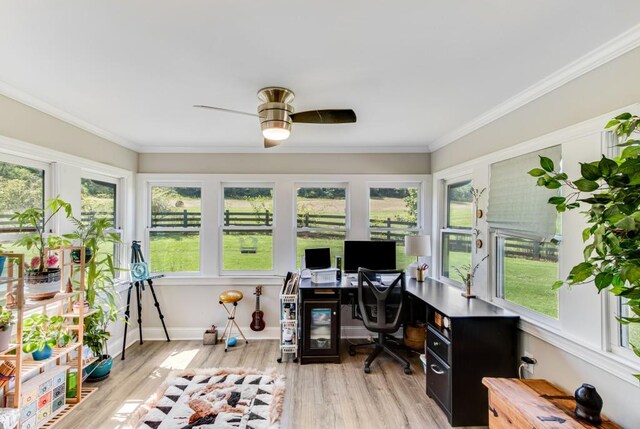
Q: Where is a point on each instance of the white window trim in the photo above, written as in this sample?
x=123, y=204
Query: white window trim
x=392, y=185
x=49, y=182
x=495, y=270
x=119, y=260
x=148, y=229
x=442, y=225
x=272, y=228
x=347, y=217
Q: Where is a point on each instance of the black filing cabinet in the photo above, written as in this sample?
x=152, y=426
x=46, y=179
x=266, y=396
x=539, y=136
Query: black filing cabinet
x=461, y=350
x=320, y=325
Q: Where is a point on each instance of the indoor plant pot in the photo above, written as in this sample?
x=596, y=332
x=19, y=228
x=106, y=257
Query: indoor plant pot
x=3, y=259
x=100, y=369
x=42, y=354
x=42, y=285
x=75, y=255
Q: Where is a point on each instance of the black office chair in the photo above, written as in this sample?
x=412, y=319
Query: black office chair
x=380, y=308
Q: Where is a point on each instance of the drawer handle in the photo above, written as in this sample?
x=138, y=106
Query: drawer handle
x=435, y=369
x=436, y=343
x=493, y=411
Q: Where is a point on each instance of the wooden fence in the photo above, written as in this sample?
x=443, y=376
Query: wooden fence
x=513, y=248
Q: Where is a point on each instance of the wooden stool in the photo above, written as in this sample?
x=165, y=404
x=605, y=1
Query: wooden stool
x=230, y=297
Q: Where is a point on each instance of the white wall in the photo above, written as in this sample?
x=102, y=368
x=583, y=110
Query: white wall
x=580, y=346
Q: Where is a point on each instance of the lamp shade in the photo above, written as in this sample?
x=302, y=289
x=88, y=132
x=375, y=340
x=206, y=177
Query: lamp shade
x=417, y=245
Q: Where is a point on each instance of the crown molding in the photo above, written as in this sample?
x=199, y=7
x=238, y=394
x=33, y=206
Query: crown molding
x=614, y=48
x=24, y=98
x=285, y=148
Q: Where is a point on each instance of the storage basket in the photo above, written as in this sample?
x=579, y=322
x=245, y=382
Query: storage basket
x=327, y=275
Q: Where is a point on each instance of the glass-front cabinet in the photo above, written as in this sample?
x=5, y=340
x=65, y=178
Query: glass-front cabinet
x=320, y=339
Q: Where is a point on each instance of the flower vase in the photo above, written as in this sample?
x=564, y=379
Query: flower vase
x=468, y=283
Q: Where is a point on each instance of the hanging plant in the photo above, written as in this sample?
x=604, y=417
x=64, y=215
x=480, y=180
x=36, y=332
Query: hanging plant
x=608, y=190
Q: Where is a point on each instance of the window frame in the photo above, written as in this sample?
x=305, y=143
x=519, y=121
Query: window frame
x=48, y=185
x=347, y=214
x=496, y=274
x=222, y=228
x=149, y=229
x=118, y=214
x=443, y=228
x=419, y=228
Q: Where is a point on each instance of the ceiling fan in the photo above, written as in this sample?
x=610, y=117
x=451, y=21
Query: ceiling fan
x=276, y=115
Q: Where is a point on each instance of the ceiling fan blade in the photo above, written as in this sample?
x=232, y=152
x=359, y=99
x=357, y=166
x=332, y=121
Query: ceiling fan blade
x=268, y=144
x=202, y=106
x=329, y=116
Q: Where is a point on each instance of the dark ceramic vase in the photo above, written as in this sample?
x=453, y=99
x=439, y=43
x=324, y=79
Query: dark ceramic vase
x=588, y=404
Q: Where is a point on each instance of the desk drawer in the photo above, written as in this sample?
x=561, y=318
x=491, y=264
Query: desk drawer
x=439, y=380
x=439, y=345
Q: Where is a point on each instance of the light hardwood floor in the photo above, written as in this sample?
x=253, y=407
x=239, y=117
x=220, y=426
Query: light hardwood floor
x=317, y=395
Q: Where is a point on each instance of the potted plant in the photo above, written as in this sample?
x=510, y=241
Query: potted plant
x=467, y=275
x=608, y=191
x=6, y=321
x=42, y=274
x=100, y=294
x=96, y=335
x=90, y=235
x=41, y=333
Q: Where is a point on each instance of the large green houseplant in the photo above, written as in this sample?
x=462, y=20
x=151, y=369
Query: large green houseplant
x=608, y=190
x=42, y=273
x=100, y=291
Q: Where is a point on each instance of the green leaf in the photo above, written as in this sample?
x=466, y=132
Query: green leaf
x=537, y=172
x=611, y=123
x=589, y=171
x=603, y=280
x=581, y=272
x=557, y=285
x=541, y=181
x=552, y=184
x=561, y=176
x=624, y=116
x=586, y=234
x=627, y=223
x=546, y=163
x=607, y=166
x=556, y=200
x=630, y=152
x=585, y=185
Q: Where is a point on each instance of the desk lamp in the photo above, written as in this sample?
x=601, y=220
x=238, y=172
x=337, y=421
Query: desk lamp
x=416, y=245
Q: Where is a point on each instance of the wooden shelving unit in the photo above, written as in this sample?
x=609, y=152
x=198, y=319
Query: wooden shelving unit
x=62, y=305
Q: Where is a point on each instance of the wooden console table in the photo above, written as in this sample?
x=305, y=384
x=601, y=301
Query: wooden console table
x=515, y=403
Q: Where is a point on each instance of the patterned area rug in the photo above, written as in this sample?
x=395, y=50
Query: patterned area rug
x=213, y=399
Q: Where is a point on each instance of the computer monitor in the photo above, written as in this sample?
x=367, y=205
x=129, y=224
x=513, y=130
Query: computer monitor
x=317, y=259
x=373, y=255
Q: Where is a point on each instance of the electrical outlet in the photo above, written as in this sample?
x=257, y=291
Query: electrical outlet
x=529, y=362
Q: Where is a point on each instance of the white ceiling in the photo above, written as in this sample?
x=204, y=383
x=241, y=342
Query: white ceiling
x=413, y=70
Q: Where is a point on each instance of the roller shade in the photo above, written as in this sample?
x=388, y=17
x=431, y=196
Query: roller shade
x=516, y=204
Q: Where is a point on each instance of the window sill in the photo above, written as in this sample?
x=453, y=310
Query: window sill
x=610, y=362
x=244, y=280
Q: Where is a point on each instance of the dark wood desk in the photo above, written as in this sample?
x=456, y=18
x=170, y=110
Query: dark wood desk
x=466, y=340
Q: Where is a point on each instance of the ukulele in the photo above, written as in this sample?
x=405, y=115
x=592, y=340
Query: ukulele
x=257, y=318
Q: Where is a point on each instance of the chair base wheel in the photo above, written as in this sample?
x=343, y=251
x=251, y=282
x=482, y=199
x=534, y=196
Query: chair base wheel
x=407, y=370
x=352, y=353
x=367, y=370
x=295, y=360
x=279, y=360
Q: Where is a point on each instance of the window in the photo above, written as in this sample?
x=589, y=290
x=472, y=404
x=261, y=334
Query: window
x=21, y=187
x=629, y=334
x=247, y=229
x=174, y=233
x=526, y=230
x=456, y=235
x=394, y=213
x=321, y=219
x=98, y=200
x=526, y=270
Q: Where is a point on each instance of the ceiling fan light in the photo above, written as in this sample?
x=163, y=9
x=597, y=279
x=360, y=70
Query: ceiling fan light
x=275, y=133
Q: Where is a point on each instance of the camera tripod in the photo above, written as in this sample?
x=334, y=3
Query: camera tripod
x=136, y=257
